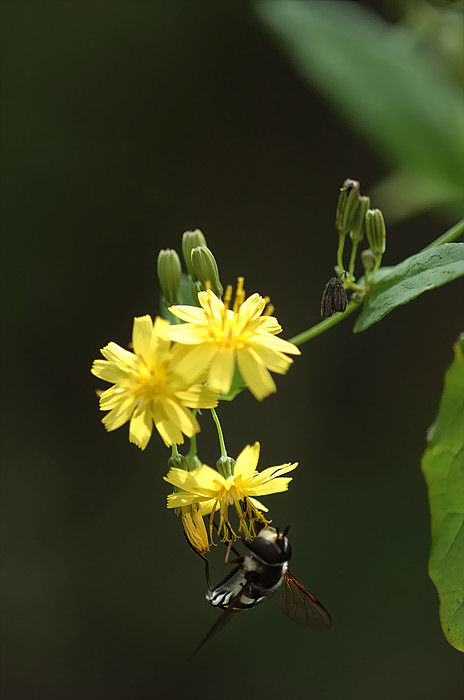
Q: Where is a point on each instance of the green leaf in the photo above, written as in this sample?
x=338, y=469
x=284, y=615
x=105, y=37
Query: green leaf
x=396, y=92
x=443, y=467
x=394, y=286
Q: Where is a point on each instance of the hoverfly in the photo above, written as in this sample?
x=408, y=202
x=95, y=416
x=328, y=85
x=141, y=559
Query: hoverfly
x=256, y=577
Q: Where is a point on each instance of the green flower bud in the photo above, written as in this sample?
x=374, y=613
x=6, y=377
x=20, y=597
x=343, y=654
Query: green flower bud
x=368, y=260
x=358, y=222
x=169, y=271
x=347, y=205
x=191, y=240
x=376, y=232
x=206, y=270
x=225, y=466
x=178, y=461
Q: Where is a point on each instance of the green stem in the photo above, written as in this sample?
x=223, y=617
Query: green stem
x=191, y=454
x=174, y=451
x=449, y=236
x=341, y=246
x=354, y=250
x=220, y=433
x=376, y=267
x=324, y=325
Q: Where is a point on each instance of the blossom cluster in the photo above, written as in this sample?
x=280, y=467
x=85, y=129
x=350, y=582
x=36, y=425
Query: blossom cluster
x=188, y=359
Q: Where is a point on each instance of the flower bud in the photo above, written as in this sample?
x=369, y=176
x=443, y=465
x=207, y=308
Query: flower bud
x=191, y=240
x=206, y=270
x=368, y=260
x=358, y=222
x=178, y=461
x=375, y=231
x=225, y=466
x=169, y=271
x=347, y=205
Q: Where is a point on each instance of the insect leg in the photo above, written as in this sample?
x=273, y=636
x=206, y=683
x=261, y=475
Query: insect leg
x=205, y=561
x=238, y=560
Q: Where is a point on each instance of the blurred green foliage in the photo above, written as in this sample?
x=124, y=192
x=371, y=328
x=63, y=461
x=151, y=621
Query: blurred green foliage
x=401, y=94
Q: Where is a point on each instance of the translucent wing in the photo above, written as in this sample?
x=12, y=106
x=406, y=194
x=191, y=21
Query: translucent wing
x=301, y=606
x=223, y=619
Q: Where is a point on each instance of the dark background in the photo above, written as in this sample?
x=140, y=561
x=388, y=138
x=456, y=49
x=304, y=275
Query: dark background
x=125, y=124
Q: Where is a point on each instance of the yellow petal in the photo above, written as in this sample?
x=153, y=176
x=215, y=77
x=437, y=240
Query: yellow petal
x=268, y=324
x=277, y=344
x=190, y=314
x=222, y=370
x=273, y=472
x=208, y=481
x=198, y=397
x=207, y=506
x=142, y=332
x=211, y=303
x=108, y=371
x=252, y=308
x=275, y=486
x=114, y=397
x=247, y=461
x=194, y=363
x=119, y=415
x=177, y=477
x=257, y=504
x=255, y=374
x=177, y=500
x=121, y=357
x=141, y=427
x=181, y=417
x=169, y=432
x=272, y=360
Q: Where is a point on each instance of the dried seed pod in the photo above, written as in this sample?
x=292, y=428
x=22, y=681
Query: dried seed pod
x=334, y=297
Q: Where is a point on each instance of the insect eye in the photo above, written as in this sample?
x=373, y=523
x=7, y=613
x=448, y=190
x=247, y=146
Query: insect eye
x=286, y=549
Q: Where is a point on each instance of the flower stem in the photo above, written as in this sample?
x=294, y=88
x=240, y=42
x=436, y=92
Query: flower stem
x=376, y=267
x=341, y=246
x=354, y=250
x=191, y=454
x=174, y=451
x=220, y=433
x=324, y=325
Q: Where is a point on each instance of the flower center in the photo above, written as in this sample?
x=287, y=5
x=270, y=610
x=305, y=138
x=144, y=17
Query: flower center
x=150, y=383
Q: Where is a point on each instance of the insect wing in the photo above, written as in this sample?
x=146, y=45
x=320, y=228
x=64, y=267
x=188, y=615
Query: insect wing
x=301, y=606
x=224, y=618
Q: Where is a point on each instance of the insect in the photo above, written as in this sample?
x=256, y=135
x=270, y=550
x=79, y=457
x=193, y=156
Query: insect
x=256, y=577
x=334, y=297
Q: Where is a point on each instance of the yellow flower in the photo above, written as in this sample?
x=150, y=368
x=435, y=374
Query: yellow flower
x=219, y=337
x=213, y=492
x=147, y=388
